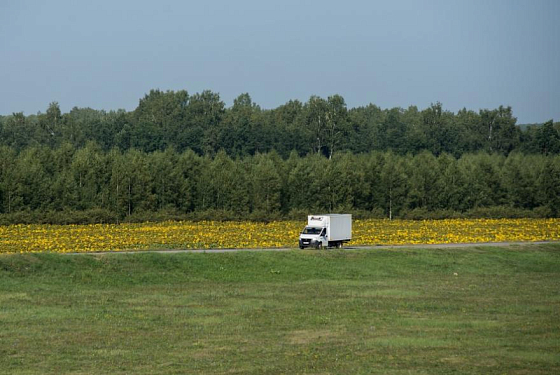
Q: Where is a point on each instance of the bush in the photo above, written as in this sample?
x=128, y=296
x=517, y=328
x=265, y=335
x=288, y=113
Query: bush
x=102, y=216
x=155, y=216
x=543, y=212
x=499, y=212
x=93, y=216
x=424, y=214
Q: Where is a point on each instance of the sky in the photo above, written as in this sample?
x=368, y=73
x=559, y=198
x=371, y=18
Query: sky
x=108, y=54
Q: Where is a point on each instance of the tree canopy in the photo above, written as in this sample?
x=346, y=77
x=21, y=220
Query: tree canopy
x=201, y=122
x=184, y=154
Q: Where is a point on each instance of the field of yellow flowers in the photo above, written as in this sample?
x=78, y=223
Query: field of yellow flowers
x=220, y=235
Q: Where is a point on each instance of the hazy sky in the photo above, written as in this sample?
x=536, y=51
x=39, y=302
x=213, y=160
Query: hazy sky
x=108, y=54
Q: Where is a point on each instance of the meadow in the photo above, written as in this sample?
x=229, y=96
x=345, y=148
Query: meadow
x=234, y=234
x=389, y=311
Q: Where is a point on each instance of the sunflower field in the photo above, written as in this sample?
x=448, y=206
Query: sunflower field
x=234, y=235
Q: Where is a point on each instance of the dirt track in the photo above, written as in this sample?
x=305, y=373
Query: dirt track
x=430, y=246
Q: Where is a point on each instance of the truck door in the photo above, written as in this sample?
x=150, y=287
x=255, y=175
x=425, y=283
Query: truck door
x=323, y=237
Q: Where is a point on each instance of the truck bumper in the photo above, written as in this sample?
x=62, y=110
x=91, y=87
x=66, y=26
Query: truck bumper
x=307, y=243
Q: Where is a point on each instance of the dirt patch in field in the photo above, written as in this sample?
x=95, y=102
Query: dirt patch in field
x=302, y=337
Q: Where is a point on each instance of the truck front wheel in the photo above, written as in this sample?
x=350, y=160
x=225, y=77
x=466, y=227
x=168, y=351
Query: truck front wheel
x=319, y=246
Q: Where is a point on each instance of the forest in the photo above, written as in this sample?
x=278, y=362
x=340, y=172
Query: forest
x=188, y=156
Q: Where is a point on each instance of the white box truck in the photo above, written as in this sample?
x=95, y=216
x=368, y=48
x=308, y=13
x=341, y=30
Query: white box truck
x=326, y=231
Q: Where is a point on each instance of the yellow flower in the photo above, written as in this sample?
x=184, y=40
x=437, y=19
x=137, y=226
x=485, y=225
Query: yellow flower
x=210, y=234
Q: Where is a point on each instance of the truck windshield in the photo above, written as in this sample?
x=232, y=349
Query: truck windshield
x=311, y=230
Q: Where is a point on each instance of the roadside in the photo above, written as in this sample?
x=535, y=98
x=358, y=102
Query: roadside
x=357, y=247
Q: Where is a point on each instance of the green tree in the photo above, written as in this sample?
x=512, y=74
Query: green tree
x=189, y=167
x=394, y=137
x=63, y=191
x=416, y=137
x=266, y=184
x=31, y=180
x=136, y=182
x=162, y=113
x=87, y=170
x=240, y=133
x=306, y=184
x=316, y=110
x=519, y=180
x=441, y=134
x=472, y=134
x=18, y=131
x=8, y=181
x=336, y=119
x=503, y=135
x=484, y=184
x=292, y=134
x=373, y=165
x=166, y=179
x=424, y=183
x=50, y=123
x=129, y=182
x=548, y=185
x=364, y=123
x=393, y=184
x=548, y=139
x=204, y=115
x=452, y=184
x=345, y=183
x=223, y=185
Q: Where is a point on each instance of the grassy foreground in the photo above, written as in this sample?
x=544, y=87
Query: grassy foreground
x=476, y=310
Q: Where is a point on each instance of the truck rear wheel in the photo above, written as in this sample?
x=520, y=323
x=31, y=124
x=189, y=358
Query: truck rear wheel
x=339, y=245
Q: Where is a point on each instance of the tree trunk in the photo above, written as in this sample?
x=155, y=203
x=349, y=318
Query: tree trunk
x=390, y=203
x=129, y=198
x=490, y=135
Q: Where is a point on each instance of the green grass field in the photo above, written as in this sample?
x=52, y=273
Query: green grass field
x=404, y=311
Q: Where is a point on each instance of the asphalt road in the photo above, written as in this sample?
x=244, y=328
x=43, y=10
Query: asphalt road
x=350, y=248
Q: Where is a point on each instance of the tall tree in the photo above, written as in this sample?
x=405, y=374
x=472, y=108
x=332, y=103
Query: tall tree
x=18, y=131
x=8, y=198
x=424, y=183
x=548, y=139
x=394, y=187
x=166, y=179
x=241, y=134
x=346, y=183
x=316, y=122
x=204, y=115
x=266, y=184
x=336, y=118
x=164, y=113
x=87, y=170
x=503, y=135
x=452, y=184
x=548, y=185
x=189, y=168
x=50, y=125
x=395, y=132
x=519, y=176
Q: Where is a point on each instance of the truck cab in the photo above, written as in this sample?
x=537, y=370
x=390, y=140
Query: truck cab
x=313, y=237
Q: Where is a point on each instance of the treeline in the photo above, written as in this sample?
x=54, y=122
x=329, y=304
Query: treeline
x=202, y=123
x=89, y=184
